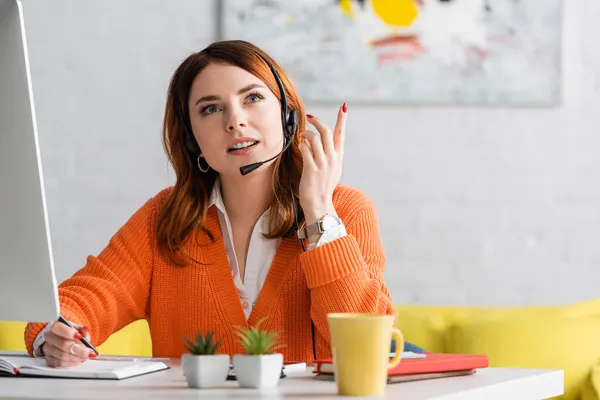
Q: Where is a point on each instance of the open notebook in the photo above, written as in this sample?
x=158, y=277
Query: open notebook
x=92, y=369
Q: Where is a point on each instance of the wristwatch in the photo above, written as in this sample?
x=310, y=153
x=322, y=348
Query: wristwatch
x=327, y=222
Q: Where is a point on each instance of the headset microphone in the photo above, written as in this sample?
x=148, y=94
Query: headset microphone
x=246, y=169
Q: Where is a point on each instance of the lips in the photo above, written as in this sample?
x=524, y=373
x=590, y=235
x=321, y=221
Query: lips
x=247, y=144
x=231, y=150
x=244, y=141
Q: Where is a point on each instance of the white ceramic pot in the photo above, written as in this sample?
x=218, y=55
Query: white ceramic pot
x=205, y=371
x=258, y=371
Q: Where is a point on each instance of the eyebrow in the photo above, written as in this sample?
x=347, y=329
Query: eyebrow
x=239, y=92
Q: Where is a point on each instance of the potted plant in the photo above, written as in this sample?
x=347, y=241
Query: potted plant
x=261, y=367
x=201, y=366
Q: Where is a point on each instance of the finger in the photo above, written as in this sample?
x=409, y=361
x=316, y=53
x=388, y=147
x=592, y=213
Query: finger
x=316, y=146
x=307, y=156
x=65, y=331
x=54, y=362
x=60, y=355
x=325, y=132
x=85, y=332
x=339, y=132
x=71, y=347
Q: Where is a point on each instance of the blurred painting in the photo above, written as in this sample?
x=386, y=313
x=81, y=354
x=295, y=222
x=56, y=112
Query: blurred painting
x=409, y=51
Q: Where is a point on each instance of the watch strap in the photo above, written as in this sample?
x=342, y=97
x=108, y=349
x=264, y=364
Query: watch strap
x=313, y=229
x=306, y=232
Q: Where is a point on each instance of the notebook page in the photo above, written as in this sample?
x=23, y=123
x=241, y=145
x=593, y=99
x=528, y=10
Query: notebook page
x=89, y=369
x=91, y=366
x=24, y=362
x=409, y=354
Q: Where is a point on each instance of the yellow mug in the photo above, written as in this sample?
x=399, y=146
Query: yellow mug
x=361, y=347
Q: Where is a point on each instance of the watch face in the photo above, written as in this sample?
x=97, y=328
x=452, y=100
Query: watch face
x=330, y=221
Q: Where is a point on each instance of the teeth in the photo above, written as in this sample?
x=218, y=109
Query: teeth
x=242, y=145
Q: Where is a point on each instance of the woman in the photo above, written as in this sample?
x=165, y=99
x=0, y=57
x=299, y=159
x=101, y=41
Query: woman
x=220, y=248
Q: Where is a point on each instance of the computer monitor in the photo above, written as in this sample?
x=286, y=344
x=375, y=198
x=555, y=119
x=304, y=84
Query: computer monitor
x=28, y=290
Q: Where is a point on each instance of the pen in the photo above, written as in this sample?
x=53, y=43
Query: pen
x=83, y=340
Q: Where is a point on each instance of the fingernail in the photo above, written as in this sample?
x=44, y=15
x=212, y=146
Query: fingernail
x=309, y=116
x=345, y=107
x=93, y=354
x=78, y=335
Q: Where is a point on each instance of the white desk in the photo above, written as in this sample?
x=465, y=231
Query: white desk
x=489, y=384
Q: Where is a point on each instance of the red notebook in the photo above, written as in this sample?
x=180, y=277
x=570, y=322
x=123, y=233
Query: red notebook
x=433, y=363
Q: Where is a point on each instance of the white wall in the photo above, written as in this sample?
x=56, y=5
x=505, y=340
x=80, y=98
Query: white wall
x=477, y=206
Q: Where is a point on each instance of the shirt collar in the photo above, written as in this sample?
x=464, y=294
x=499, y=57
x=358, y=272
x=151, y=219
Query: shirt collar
x=215, y=197
x=217, y=200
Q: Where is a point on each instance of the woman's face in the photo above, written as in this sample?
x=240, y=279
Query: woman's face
x=235, y=118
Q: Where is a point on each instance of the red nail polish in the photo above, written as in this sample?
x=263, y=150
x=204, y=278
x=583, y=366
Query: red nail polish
x=309, y=116
x=93, y=354
x=78, y=335
x=345, y=107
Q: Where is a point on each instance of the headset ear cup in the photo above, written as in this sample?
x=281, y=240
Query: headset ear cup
x=191, y=144
x=188, y=137
x=292, y=123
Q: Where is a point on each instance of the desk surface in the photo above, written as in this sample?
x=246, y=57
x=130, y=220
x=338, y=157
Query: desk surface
x=488, y=383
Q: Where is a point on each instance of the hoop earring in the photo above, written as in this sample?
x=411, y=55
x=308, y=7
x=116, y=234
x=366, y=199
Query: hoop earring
x=205, y=170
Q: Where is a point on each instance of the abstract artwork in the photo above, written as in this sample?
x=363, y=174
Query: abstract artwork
x=498, y=52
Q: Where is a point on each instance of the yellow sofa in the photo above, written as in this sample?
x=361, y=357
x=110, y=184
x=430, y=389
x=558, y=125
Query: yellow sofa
x=548, y=337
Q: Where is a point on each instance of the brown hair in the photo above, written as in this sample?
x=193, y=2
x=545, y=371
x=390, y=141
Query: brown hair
x=185, y=209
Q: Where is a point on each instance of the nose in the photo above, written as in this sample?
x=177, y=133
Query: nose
x=236, y=121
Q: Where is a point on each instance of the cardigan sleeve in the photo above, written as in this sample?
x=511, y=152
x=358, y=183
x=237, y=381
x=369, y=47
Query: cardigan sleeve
x=112, y=289
x=347, y=275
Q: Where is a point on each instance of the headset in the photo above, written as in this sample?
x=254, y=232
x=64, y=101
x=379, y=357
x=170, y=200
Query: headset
x=289, y=120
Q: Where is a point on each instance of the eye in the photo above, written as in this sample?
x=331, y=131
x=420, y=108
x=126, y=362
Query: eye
x=254, y=97
x=210, y=109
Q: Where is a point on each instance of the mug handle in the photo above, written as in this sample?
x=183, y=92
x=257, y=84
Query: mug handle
x=396, y=334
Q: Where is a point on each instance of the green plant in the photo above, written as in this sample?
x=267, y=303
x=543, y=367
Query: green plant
x=203, y=345
x=256, y=341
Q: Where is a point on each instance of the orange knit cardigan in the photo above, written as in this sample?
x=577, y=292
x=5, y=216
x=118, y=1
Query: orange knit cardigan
x=129, y=280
